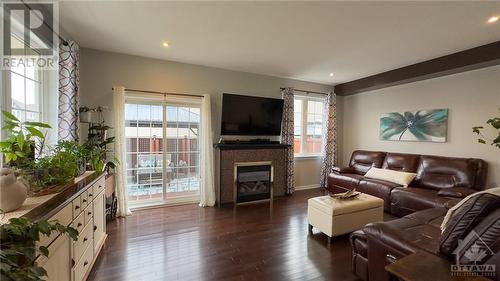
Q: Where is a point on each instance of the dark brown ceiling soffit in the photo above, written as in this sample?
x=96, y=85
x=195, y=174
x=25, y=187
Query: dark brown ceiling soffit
x=479, y=57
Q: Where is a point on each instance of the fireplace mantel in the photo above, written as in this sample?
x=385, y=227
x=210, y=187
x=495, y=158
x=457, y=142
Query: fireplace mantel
x=227, y=155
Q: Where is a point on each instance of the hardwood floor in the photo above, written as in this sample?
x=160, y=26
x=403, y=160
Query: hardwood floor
x=251, y=242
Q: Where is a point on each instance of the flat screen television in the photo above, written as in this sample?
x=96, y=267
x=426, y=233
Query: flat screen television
x=251, y=116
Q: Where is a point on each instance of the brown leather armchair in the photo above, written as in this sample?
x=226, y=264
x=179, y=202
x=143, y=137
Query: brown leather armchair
x=438, y=180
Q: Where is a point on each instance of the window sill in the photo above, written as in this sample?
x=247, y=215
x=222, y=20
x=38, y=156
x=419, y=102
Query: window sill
x=307, y=156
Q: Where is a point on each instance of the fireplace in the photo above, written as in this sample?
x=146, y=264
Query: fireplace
x=253, y=182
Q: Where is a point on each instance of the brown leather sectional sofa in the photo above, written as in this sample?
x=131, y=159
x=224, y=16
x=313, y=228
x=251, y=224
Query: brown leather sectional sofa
x=440, y=183
x=439, y=179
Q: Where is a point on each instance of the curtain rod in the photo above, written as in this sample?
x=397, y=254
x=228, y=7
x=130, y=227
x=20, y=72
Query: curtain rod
x=162, y=93
x=64, y=41
x=307, y=92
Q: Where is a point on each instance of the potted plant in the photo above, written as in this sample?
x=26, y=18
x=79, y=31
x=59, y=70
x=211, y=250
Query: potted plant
x=495, y=140
x=77, y=152
x=18, y=247
x=40, y=167
x=25, y=140
x=85, y=114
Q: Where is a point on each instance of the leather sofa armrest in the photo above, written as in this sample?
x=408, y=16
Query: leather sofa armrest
x=386, y=245
x=390, y=237
x=448, y=205
x=456, y=192
x=343, y=170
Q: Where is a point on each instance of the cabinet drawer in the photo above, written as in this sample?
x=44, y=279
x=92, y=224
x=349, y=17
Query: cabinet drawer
x=85, y=238
x=88, y=213
x=77, y=207
x=63, y=217
x=84, y=199
x=98, y=186
x=79, y=223
x=83, y=266
x=58, y=263
x=99, y=221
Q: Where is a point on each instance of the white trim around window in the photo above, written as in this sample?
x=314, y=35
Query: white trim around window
x=303, y=129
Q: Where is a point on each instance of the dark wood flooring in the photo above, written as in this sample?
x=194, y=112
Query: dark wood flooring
x=251, y=242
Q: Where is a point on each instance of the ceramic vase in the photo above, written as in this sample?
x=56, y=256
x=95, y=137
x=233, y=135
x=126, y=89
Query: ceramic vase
x=13, y=192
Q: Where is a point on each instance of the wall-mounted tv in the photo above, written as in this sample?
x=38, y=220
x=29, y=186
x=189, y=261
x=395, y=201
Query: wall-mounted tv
x=251, y=116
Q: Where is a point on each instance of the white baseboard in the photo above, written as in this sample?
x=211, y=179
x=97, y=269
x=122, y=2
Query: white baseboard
x=310, y=186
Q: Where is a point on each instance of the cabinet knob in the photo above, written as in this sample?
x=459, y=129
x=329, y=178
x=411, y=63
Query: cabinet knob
x=85, y=263
x=89, y=213
x=85, y=239
x=90, y=195
x=84, y=201
x=77, y=207
x=72, y=262
x=79, y=224
x=95, y=227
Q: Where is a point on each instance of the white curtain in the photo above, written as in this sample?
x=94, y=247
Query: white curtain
x=329, y=149
x=119, y=128
x=207, y=192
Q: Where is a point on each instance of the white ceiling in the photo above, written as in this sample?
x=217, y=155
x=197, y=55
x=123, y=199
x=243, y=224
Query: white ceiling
x=301, y=40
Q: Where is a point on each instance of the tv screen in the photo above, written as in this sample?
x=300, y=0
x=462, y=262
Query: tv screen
x=251, y=116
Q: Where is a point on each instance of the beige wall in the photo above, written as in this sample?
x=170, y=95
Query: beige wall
x=99, y=71
x=471, y=97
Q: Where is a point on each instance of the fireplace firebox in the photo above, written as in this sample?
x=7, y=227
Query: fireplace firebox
x=253, y=182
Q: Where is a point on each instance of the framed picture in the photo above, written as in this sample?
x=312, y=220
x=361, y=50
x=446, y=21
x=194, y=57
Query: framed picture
x=421, y=125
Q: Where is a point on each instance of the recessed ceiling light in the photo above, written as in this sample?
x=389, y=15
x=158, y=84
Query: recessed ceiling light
x=493, y=19
x=331, y=74
x=165, y=44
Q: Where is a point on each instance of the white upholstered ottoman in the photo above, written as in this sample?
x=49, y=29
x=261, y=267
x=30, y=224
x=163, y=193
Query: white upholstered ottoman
x=336, y=217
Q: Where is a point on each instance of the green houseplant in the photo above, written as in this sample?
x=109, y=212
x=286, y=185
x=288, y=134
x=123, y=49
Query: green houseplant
x=495, y=140
x=25, y=140
x=18, y=247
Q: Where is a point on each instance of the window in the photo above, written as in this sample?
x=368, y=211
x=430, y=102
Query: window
x=25, y=83
x=31, y=92
x=163, y=157
x=308, y=125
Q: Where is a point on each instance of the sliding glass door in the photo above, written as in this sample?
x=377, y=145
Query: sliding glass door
x=163, y=159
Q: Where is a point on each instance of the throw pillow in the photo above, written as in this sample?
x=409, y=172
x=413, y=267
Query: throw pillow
x=402, y=178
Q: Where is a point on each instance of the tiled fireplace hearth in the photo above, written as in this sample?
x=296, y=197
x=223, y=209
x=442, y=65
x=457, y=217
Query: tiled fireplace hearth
x=249, y=173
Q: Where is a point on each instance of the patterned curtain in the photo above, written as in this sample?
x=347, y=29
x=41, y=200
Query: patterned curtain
x=69, y=60
x=329, y=149
x=287, y=137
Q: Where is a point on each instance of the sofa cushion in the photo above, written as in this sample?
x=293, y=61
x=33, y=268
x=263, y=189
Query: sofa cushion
x=405, y=201
x=349, y=181
x=401, y=162
x=467, y=216
x=379, y=188
x=398, y=177
x=435, y=172
x=362, y=161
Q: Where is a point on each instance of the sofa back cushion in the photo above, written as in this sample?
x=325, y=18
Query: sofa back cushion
x=466, y=217
x=482, y=243
x=436, y=172
x=401, y=162
x=362, y=160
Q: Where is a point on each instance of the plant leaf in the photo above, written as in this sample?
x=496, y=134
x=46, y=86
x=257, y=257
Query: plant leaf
x=44, y=250
x=35, y=132
x=9, y=115
x=37, y=124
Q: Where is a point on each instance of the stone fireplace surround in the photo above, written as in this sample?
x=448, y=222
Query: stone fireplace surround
x=228, y=155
